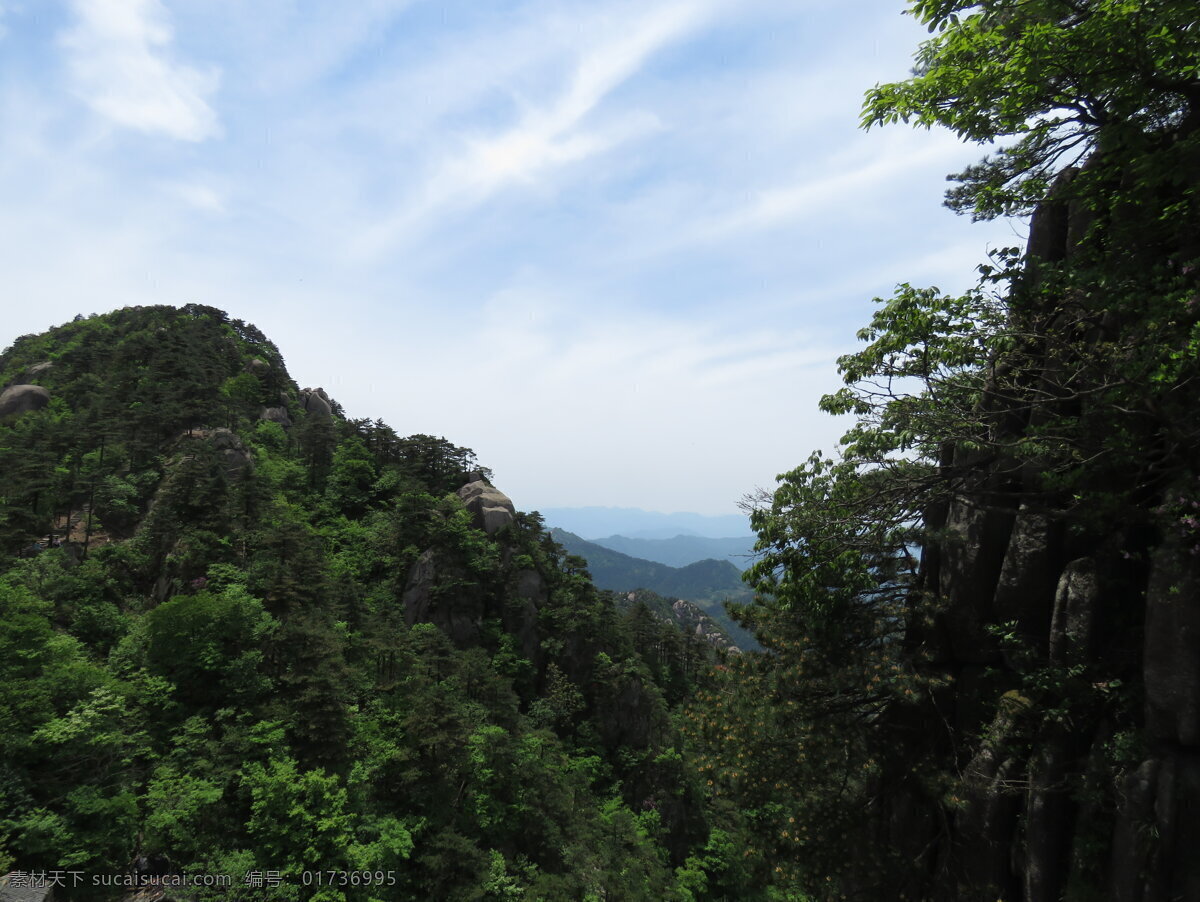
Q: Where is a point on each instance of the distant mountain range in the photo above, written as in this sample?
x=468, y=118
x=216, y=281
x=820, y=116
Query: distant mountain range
x=707, y=583
x=679, y=551
x=592, y=523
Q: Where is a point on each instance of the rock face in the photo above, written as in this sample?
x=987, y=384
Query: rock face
x=459, y=613
x=276, y=415
x=443, y=588
x=520, y=617
x=316, y=403
x=691, y=617
x=490, y=507
x=1103, y=619
x=18, y=399
x=233, y=453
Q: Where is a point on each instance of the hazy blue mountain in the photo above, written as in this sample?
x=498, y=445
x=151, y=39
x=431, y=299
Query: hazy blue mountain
x=595, y=522
x=661, y=532
x=681, y=550
x=708, y=583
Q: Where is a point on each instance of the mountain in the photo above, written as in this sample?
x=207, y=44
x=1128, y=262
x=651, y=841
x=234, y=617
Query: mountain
x=681, y=550
x=689, y=618
x=593, y=522
x=703, y=580
x=241, y=632
x=707, y=583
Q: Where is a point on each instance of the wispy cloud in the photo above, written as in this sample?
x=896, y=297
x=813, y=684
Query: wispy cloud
x=198, y=196
x=275, y=48
x=623, y=387
x=843, y=183
x=553, y=134
x=121, y=64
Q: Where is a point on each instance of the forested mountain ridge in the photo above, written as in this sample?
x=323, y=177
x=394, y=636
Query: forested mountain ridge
x=703, y=581
x=243, y=633
x=691, y=619
x=707, y=583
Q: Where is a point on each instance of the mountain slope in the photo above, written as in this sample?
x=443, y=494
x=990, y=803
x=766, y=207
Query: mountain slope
x=241, y=632
x=681, y=550
x=703, y=580
x=708, y=583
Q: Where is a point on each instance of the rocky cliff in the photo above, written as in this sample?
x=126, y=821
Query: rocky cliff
x=1067, y=611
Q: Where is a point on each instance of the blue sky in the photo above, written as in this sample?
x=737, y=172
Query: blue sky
x=614, y=247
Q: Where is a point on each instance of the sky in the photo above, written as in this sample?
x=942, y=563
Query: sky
x=614, y=247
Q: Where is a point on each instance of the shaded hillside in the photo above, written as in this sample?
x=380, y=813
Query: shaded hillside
x=708, y=583
x=691, y=620
x=679, y=551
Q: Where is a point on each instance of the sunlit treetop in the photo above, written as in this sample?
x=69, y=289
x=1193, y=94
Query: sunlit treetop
x=1056, y=78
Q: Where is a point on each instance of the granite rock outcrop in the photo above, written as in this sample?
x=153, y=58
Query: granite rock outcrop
x=20, y=399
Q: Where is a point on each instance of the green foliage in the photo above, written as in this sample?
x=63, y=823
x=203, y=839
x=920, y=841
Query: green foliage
x=226, y=667
x=298, y=819
x=181, y=811
x=209, y=645
x=1060, y=78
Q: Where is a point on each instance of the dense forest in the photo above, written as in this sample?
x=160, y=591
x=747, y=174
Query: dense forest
x=245, y=634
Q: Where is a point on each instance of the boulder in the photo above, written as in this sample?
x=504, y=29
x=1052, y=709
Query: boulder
x=316, y=403
x=38, y=369
x=258, y=366
x=20, y=399
x=491, y=508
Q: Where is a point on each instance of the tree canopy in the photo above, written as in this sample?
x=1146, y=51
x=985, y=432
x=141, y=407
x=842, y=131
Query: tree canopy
x=1054, y=80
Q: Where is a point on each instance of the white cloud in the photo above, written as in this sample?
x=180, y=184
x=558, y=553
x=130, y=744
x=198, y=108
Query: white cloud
x=120, y=62
x=615, y=406
x=841, y=185
x=552, y=134
x=198, y=196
